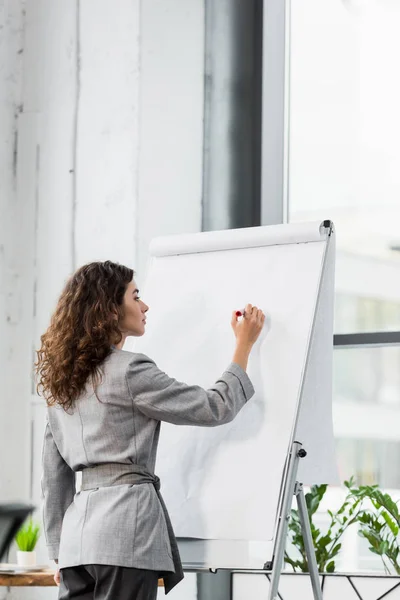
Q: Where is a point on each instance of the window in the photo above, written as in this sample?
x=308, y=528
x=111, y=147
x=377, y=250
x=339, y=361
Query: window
x=344, y=151
x=370, y=460
x=368, y=376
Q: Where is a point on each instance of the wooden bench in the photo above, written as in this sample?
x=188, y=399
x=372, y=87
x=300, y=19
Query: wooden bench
x=39, y=579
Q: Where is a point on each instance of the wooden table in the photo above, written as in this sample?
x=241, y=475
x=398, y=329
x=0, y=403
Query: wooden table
x=39, y=579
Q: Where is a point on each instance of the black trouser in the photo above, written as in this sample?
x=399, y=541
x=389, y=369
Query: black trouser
x=104, y=582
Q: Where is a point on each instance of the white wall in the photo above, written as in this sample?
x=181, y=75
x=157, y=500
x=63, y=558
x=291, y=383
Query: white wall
x=111, y=92
x=171, y=120
x=15, y=299
x=107, y=105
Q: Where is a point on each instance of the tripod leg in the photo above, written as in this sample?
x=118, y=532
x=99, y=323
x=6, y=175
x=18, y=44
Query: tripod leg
x=308, y=542
x=281, y=535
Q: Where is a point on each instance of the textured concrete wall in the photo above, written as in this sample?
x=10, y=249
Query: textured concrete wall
x=101, y=116
x=15, y=303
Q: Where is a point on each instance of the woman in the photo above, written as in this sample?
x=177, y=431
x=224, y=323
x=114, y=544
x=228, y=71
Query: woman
x=113, y=539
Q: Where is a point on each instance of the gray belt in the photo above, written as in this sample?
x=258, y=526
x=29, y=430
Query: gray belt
x=111, y=474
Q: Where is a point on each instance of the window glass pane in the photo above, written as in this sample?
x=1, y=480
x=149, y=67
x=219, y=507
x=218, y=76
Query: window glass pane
x=344, y=153
x=366, y=409
x=370, y=461
x=368, y=376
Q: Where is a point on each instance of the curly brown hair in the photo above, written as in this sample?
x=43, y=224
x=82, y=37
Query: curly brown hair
x=82, y=329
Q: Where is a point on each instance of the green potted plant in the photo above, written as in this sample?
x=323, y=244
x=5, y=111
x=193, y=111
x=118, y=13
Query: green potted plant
x=26, y=539
x=376, y=514
x=327, y=543
x=380, y=525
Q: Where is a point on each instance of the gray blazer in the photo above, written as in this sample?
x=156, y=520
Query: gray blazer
x=122, y=525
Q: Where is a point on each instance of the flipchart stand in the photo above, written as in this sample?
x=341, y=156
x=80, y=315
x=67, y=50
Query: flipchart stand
x=292, y=487
x=272, y=569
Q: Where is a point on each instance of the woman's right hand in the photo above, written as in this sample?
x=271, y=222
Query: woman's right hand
x=248, y=329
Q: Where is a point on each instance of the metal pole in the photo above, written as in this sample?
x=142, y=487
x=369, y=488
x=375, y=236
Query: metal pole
x=232, y=146
x=281, y=533
x=214, y=586
x=374, y=339
x=308, y=542
x=232, y=114
x=275, y=112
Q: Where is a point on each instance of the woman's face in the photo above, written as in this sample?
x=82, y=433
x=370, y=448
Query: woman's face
x=135, y=309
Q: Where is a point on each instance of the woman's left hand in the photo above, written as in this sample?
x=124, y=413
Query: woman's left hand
x=57, y=577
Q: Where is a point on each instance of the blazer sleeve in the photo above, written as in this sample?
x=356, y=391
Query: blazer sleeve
x=58, y=489
x=165, y=399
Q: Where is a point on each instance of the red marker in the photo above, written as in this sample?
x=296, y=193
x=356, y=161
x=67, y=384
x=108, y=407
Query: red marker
x=240, y=313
